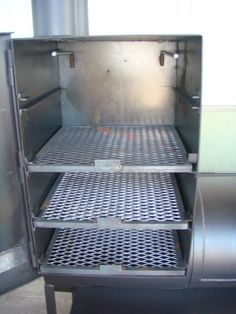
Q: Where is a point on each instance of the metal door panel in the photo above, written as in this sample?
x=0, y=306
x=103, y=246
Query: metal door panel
x=14, y=245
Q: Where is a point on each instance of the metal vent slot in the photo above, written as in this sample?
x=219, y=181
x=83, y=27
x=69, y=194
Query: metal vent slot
x=151, y=148
x=114, y=200
x=129, y=251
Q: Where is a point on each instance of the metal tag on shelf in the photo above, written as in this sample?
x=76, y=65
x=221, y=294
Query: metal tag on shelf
x=107, y=163
x=109, y=269
x=109, y=222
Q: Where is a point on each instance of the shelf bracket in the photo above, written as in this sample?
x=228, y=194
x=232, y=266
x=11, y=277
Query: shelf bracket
x=192, y=158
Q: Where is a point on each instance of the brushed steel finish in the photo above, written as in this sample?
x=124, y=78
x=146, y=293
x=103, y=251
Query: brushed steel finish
x=32, y=167
x=54, y=17
x=189, y=66
x=36, y=70
x=117, y=83
x=60, y=17
x=82, y=19
x=113, y=224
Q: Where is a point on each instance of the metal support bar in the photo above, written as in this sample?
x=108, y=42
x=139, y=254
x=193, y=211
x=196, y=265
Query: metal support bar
x=192, y=101
x=59, y=168
x=114, y=224
x=50, y=299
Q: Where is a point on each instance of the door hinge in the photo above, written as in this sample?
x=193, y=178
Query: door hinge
x=10, y=65
x=21, y=166
x=32, y=254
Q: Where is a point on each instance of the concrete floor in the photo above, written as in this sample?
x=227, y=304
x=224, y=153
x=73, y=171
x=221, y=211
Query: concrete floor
x=29, y=299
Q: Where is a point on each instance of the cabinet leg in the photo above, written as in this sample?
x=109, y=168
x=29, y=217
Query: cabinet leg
x=50, y=299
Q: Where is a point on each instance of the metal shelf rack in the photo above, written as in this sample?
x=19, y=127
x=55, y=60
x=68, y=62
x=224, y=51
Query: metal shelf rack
x=114, y=200
x=113, y=149
x=114, y=252
x=116, y=192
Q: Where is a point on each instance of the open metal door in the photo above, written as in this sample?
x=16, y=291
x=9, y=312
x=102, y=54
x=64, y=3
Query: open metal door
x=15, y=237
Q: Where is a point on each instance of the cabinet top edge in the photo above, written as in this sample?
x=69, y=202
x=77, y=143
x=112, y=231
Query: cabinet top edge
x=160, y=38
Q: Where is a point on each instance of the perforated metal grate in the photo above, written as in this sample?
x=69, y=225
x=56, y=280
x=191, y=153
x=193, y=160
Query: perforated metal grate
x=159, y=145
x=143, y=197
x=135, y=249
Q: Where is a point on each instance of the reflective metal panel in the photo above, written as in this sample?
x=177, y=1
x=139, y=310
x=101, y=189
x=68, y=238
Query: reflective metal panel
x=189, y=66
x=11, y=226
x=214, y=231
x=36, y=70
x=39, y=122
x=117, y=83
x=60, y=17
x=14, y=254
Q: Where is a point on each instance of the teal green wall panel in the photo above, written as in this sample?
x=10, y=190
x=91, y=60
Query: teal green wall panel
x=218, y=139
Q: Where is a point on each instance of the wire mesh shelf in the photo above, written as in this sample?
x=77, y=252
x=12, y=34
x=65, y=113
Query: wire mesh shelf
x=127, y=200
x=126, y=149
x=114, y=251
